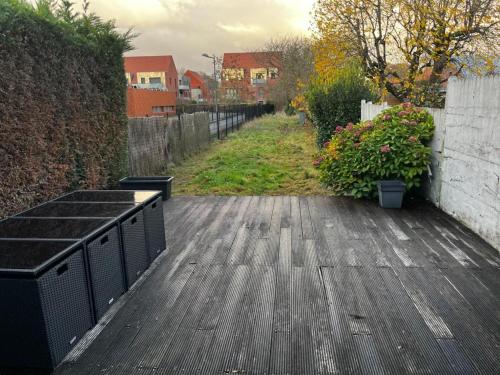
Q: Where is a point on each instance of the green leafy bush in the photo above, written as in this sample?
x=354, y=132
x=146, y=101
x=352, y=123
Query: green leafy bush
x=339, y=102
x=63, y=120
x=392, y=146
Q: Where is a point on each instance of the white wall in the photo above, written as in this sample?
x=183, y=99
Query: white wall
x=465, y=166
x=471, y=157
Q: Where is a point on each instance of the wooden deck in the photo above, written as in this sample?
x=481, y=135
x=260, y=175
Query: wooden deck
x=293, y=285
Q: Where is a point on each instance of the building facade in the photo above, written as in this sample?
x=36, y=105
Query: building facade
x=149, y=103
x=152, y=85
x=199, y=89
x=249, y=76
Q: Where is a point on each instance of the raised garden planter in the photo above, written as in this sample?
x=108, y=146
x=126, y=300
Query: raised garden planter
x=101, y=244
x=132, y=229
x=45, y=301
x=152, y=209
x=162, y=183
x=390, y=193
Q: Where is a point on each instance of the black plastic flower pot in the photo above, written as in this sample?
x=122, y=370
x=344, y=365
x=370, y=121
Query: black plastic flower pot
x=390, y=193
x=161, y=183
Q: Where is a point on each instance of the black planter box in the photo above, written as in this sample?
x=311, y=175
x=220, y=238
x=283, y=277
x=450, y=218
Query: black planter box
x=155, y=228
x=152, y=209
x=130, y=217
x=390, y=193
x=102, y=250
x=45, y=304
x=163, y=184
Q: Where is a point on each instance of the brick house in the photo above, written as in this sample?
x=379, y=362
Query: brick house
x=156, y=72
x=198, y=87
x=152, y=85
x=148, y=103
x=249, y=76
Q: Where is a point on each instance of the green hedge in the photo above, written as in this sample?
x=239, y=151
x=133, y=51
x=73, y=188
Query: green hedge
x=62, y=103
x=339, y=102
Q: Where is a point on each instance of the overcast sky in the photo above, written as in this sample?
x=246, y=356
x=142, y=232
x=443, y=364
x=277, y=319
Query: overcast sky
x=188, y=28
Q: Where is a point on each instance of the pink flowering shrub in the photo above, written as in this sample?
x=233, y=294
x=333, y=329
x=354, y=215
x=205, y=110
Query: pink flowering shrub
x=392, y=146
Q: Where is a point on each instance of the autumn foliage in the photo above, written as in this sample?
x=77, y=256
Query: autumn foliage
x=408, y=48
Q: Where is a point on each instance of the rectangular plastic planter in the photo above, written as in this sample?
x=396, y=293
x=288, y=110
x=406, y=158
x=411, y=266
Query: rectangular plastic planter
x=102, y=252
x=132, y=229
x=45, y=301
x=155, y=228
x=152, y=209
x=163, y=184
x=390, y=193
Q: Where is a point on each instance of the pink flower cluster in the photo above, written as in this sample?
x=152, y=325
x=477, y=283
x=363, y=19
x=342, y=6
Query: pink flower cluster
x=326, y=144
x=349, y=126
x=407, y=105
x=339, y=129
x=387, y=118
x=318, y=161
x=385, y=149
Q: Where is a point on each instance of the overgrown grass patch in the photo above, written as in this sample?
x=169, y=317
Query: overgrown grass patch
x=270, y=156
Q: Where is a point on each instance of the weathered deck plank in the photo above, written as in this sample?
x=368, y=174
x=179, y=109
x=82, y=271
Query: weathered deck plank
x=306, y=285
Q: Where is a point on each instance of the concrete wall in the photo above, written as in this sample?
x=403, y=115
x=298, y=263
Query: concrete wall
x=471, y=156
x=465, y=166
x=157, y=142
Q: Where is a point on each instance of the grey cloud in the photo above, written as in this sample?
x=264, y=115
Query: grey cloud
x=188, y=28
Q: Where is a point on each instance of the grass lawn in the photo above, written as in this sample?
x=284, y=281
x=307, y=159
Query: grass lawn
x=270, y=156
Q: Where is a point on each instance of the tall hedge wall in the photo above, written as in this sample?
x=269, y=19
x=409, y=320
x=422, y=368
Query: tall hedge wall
x=62, y=104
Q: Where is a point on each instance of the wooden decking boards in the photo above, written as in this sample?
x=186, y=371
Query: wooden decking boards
x=307, y=285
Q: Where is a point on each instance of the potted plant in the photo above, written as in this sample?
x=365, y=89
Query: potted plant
x=390, y=193
x=384, y=157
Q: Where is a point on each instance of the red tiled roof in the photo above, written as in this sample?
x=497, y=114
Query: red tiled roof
x=134, y=64
x=251, y=60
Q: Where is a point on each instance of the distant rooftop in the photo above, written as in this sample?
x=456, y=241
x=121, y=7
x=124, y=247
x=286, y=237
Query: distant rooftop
x=251, y=60
x=149, y=63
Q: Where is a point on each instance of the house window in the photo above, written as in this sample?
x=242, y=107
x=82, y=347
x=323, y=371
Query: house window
x=143, y=80
x=231, y=93
x=274, y=75
x=259, y=76
x=154, y=80
x=162, y=109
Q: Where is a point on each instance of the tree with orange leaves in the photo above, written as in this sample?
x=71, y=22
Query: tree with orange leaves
x=426, y=36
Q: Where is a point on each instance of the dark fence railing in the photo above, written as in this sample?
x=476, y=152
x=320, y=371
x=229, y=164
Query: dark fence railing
x=227, y=117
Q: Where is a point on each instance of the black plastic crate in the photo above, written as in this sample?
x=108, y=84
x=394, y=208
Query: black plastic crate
x=113, y=196
x=161, y=183
x=153, y=211
x=79, y=210
x=133, y=239
x=155, y=228
x=134, y=246
x=102, y=250
x=106, y=271
x=45, y=308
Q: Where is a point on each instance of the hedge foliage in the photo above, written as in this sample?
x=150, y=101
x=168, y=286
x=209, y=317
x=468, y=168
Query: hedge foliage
x=63, y=118
x=338, y=102
x=391, y=147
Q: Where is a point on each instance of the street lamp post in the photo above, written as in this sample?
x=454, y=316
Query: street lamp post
x=215, y=91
